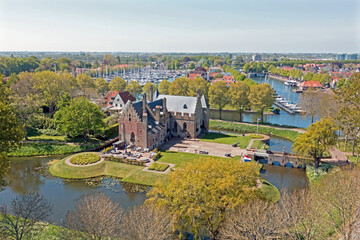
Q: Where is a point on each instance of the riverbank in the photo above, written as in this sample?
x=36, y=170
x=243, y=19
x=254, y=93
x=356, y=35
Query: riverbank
x=280, y=78
x=31, y=149
x=230, y=109
x=242, y=128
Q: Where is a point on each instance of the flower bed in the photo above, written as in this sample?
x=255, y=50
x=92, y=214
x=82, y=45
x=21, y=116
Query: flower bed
x=85, y=159
x=161, y=167
x=124, y=160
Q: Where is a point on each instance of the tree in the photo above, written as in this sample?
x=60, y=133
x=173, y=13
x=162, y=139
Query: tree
x=258, y=219
x=180, y=87
x=239, y=95
x=96, y=217
x=117, y=84
x=261, y=97
x=80, y=118
x=198, y=83
x=192, y=65
x=19, y=219
x=164, y=87
x=51, y=86
x=146, y=89
x=339, y=195
x=134, y=88
x=316, y=104
x=11, y=128
x=147, y=223
x=246, y=67
x=316, y=140
x=85, y=84
x=218, y=95
x=175, y=65
x=212, y=188
x=109, y=60
x=102, y=86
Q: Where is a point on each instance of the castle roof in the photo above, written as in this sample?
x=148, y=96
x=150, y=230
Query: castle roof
x=182, y=104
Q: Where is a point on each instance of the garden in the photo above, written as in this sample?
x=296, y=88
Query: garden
x=85, y=159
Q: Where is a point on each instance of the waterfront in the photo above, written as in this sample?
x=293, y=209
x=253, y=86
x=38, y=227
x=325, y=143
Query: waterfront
x=30, y=175
x=283, y=118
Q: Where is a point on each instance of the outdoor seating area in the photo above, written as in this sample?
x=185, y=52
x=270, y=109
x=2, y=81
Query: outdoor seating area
x=131, y=153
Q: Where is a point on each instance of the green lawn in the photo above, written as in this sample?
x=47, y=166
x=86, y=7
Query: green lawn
x=348, y=146
x=181, y=159
x=258, y=144
x=245, y=128
x=353, y=159
x=270, y=191
x=42, y=149
x=226, y=139
x=161, y=167
x=127, y=172
x=44, y=137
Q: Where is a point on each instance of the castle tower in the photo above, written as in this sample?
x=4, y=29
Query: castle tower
x=144, y=122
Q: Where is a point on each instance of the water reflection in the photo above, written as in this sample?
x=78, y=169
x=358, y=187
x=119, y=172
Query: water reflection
x=26, y=175
x=284, y=177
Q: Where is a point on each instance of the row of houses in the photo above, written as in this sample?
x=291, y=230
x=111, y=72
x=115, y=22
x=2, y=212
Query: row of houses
x=214, y=74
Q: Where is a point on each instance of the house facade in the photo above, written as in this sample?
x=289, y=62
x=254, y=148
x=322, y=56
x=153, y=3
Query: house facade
x=149, y=124
x=114, y=101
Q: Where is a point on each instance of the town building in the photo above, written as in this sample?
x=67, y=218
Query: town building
x=149, y=124
x=256, y=57
x=310, y=84
x=114, y=101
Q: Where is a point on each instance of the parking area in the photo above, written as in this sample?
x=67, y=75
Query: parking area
x=195, y=146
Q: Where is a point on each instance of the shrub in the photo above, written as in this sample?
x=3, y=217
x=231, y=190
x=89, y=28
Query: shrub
x=85, y=158
x=161, y=167
x=255, y=136
x=124, y=160
x=157, y=156
x=50, y=132
x=105, y=150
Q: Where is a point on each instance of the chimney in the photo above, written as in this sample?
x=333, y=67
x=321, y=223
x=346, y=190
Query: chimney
x=151, y=94
x=198, y=94
x=144, y=103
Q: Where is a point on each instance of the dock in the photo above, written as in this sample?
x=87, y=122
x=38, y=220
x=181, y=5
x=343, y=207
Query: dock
x=287, y=106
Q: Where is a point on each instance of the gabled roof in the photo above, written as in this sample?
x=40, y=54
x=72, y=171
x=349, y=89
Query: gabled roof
x=126, y=96
x=182, y=104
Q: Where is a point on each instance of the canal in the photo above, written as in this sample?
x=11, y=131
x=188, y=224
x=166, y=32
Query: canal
x=283, y=118
x=30, y=174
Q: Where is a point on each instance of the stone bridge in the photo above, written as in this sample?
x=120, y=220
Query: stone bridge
x=278, y=158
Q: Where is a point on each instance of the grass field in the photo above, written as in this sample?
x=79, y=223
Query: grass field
x=42, y=149
x=127, y=172
x=226, y=139
x=270, y=191
x=159, y=167
x=353, y=159
x=245, y=128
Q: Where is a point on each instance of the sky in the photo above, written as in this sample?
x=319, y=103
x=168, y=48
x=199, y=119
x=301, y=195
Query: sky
x=180, y=26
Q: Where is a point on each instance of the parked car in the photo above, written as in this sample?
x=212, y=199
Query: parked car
x=227, y=154
x=203, y=152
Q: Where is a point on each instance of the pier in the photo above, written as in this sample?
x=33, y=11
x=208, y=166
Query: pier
x=287, y=106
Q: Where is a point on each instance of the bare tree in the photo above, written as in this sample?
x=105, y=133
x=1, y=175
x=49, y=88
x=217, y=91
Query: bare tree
x=96, y=217
x=301, y=211
x=147, y=223
x=339, y=195
x=317, y=104
x=18, y=219
x=257, y=220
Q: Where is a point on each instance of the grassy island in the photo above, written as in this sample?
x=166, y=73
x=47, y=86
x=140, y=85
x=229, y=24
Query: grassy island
x=135, y=174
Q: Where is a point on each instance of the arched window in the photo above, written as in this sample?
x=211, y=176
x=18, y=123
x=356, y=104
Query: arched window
x=132, y=137
x=184, y=126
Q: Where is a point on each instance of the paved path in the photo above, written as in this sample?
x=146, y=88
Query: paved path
x=299, y=130
x=67, y=161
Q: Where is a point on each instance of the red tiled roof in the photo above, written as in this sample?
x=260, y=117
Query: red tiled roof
x=315, y=84
x=126, y=96
x=228, y=78
x=194, y=75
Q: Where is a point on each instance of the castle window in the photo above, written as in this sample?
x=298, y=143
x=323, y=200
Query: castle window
x=185, y=107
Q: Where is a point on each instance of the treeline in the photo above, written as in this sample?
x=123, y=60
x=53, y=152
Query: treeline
x=238, y=76
x=323, y=78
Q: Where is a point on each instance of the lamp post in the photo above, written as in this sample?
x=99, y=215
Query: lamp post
x=257, y=127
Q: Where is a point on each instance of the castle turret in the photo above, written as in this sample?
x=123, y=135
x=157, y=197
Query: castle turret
x=151, y=97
